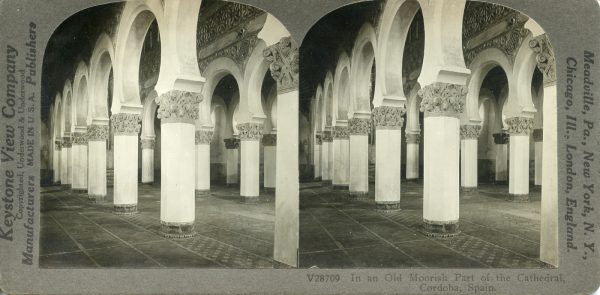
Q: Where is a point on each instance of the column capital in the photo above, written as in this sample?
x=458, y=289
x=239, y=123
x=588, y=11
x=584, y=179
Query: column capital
x=340, y=132
x=327, y=137
x=538, y=135
x=470, y=131
x=414, y=138
x=319, y=139
x=519, y=125
x=203, y=136
x=545, y=58
x=66, y=142
x=126, y=124
x=80, y=138
x=178, y=106
x=97, y=132
x=284, y=64
x=443, y=99
x=147, y=143
x=57, y=145
x=359, y=126
x=387, y=117
x=250, y=131
x=501, y=138
x=269, y=140
x=231, y=143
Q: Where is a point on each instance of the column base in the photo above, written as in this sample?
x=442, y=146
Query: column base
x=518, y=198
x=440, y=229
x=202, y=193
x=249, y=200
x=501, y=182
x=96, y=199
x=341, y=187
x=468, y=189
x=386, y=207
x=358, y=195
x=80, y=191
x=125, y=209
x=177, y=230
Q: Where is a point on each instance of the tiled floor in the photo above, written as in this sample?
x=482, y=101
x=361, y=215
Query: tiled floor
x=339, y=233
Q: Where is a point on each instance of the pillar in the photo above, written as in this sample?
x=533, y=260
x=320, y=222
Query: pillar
x=250, y=135
x=177, y=111
x=469, y=135
x=56, y=161
x=326, y=149
x=341, y=157
x=501, y=141
x=388, y=123
x=232, y=156
x=519, y=129
x=126, y=127
x=442, y=104
x=538, y=138
x=317, y=156
x=97, y=135
x=413, y=139
x=270, y=164
x=358, y=129
x=65, y=161
x=203, y=139
x=147, y=159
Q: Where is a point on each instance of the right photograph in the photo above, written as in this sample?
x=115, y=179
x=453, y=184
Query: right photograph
x=433, y=138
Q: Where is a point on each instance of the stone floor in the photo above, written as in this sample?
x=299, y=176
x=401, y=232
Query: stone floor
x=339, y=233
x=78, y=233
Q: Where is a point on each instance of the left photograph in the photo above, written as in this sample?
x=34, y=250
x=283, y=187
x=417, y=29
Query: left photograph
x=160, y=134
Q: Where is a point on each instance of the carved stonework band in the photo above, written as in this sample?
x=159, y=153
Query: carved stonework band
x=386, y=117
x=443, y=99
x=203, y=137
x=340, y=132
x=79, y=138
x=359, y=126
x=97, y=132
x=178, y=106
x=327, y=136
x=470, y=131
x=519, y=125
x=501, y=138
x=441, y=229
x=414, y=138
x=269, y=140
x=126, y=124
x=250, y=131
x=147, y=143
x=538, y=135
x=283, y=57
x=545, y=58
x=66, y=142
x=231, y=143
x=177, y=230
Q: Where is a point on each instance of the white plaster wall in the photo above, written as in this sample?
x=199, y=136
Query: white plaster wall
x=126, y=169
x=518, y=182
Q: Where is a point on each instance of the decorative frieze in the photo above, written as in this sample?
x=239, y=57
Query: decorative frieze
x=231, y=143
x=413, y=138
x=79, y=138
x=501, y=138
x=239, y=51
x=327, y=137
x=147, y=143
x=443, y=99
x=225, y=19
x=386, y=117
x=519, y=125
x=126, y=124
x=203, y=136
x=67, y=143
x=269, y=140
x=340, y=132
x=177, y=106
x=538, y=135
x=545, y=58
x=250, y=131
x=470, y=131
x=97, y=132
x=283, y=57
x=57, y=145
x=359, y=126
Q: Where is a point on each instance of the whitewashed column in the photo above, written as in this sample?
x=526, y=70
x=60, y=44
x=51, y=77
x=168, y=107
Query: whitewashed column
x=232, y=155
x=65, y=161
x=341, y=156
x=359, y=128
x=126, y=127
x=317, y=156
x=203, y=139
x=501, y=141
x=97, y=134
x=270, y=162
x=469, y=135
x=442, y=104
x=413, y=139
x=147, y=145
x=56, y=161
x=538, y=138
x=388, y=123
x=177, y=111
x=519, y=129
x=250, y=135
x=326, y=164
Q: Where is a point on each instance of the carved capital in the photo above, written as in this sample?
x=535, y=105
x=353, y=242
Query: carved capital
x=359, y=126
x=97, y=132
x=443, y=99
x=126, y=124
x=519, y=125
x=327, y=137
x=79, y=138
x=285, y=69
x=470, y=131
x=57, y=145
x=178, y=106
x=231, y=143
x=269, y=140
x=66, y=142
x=203, y=136
x=386, y=117
x=340, y=132
x=319, y=139
x=545, y=58
x=501, y=138
x=147, y=143
x=414, y=138
x=250, y=131
x=538, y=135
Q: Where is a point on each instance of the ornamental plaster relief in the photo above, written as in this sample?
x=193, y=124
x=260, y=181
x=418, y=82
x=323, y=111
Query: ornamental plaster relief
x=319, y=139
x=178, y=106
x=470, y=131
x=97, y=132
x=126, y=124
x=203, y=136
x=58, y=145
x=359, y=126
x=386, y=117
x=250, y=131
x=443, y=99
x=67, y=143
x=545, y=58
x=340, y=132
x=519, y=125
x=79, y=138
x=285, y=68
x=327, y=137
